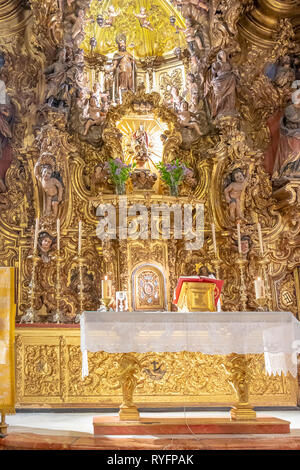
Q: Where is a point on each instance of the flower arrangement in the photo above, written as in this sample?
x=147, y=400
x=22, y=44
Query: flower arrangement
x=173, y=174
x=119, y=173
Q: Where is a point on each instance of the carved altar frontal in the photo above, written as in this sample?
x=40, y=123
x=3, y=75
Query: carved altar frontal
x=48, y=375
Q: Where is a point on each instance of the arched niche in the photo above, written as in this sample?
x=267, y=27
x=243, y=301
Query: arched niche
x=148, y=288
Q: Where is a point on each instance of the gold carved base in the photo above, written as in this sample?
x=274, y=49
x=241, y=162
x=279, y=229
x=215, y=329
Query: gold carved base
x=242, y=412
x=3, y=425
x=129, y=413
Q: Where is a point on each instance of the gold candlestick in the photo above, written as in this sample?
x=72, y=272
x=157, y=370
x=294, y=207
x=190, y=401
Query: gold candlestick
x=268, y=297
x=57, y=316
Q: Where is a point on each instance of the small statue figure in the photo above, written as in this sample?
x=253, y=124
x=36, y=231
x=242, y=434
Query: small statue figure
x=28, y=317
x=45, y=245
x=100, y=179
x=57, y=86
x=176, y=99
x=52, y=187
x=123, y=67
x=6, y=130
x=285, y=75
x=184, y=117
x=78, y=29
x=112, y=15
x=233, y=193
x=143, y=179
x=287, y=161
x=96, y=116
x=192, y=36
x=223, y=83
x=143, y=19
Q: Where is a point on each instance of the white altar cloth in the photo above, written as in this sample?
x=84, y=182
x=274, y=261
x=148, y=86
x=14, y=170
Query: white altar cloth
x=276, y=334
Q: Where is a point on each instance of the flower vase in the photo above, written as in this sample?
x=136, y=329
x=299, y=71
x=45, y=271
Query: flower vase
x=120, y=189
x=174, y=190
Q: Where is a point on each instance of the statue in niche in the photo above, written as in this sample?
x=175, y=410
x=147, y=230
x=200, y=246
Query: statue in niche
x=7, y=114
x=95, y=115
x=223, y=87
x=140, y=137
x=233, y=193
x=51, y=184
x=57, y=91
x=185, y=119
x=124, y=67
x=143, y=16
x=45, y=245
x=287, y=161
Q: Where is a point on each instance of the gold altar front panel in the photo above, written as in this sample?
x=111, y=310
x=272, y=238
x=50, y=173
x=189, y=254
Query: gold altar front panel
x=48, y=375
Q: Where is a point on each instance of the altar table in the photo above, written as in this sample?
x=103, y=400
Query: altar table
x=276, y=334
x=231, y=334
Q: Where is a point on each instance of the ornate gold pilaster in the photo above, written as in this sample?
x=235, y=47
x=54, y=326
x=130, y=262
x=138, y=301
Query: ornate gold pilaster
x=236, y=367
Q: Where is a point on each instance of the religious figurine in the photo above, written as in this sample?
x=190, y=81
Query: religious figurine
x=197, y=12
x=45, y=245
x=78, y=29
x=57, y=83
x=287, y=161
x=140, y=137
x=100, y=179
x=112, y=15
x=142, y=178
x=192, y=36
x=96, y=116
x=184, y=117
x=233, y=193
x=176, y=99
x=193, y=87
x=143, y=19
x=223, y=84
x=6, y=132
x=285, y=75
x=123, y=67
x=52, y=187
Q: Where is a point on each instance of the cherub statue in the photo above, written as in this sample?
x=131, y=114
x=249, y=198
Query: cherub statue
x=176, y=99
x=184, y=117
x=52, y=187
x=45, y=245
x=78, y=29
x=95, y=115
x=285, y=75
x=143, y=19
x=233, y=193
x=112, y=15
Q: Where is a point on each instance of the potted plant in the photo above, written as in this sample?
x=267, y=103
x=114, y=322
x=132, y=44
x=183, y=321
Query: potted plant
x=172, y=174
x=119, y=173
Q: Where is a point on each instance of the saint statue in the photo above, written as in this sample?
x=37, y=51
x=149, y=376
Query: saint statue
x=6, y=130
x=287, y=161
x=123, y=67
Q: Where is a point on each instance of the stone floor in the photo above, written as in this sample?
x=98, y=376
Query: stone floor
x=73, y=430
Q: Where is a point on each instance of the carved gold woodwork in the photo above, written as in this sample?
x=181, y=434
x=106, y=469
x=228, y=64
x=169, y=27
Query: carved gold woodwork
x=48, y=374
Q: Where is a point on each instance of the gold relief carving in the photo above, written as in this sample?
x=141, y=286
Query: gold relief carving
x=287, y=293
x=187, y=378
x=41, y=370
x=170, y=79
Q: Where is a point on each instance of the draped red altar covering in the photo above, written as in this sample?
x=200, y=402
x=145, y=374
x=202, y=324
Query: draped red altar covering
x=218, y=285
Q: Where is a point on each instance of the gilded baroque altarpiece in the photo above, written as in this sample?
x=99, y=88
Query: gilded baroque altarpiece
x=211, y=84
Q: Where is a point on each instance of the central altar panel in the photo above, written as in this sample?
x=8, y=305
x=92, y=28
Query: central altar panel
x=49, y=367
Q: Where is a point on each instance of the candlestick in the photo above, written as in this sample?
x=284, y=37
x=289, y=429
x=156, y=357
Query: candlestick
x=58, y=234
x=213, y=230
x=147, y=82
x=37, y=222
x=102, y=82
x=260, y=239
x=113, y=95
x=79, y=237
x=239, y=238
x=120, y=95
x=106, y=287
x=153, y=81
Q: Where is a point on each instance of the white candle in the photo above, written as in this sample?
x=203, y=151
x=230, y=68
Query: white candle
x=113, y=97
x=260, y=238
x=239, y=238
x=106, y=285
x=120, y=95
x=58, y=234
x=79, y=237
x=213, y=230
x=259, y=288
x=102, y=82
x=36, y=232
